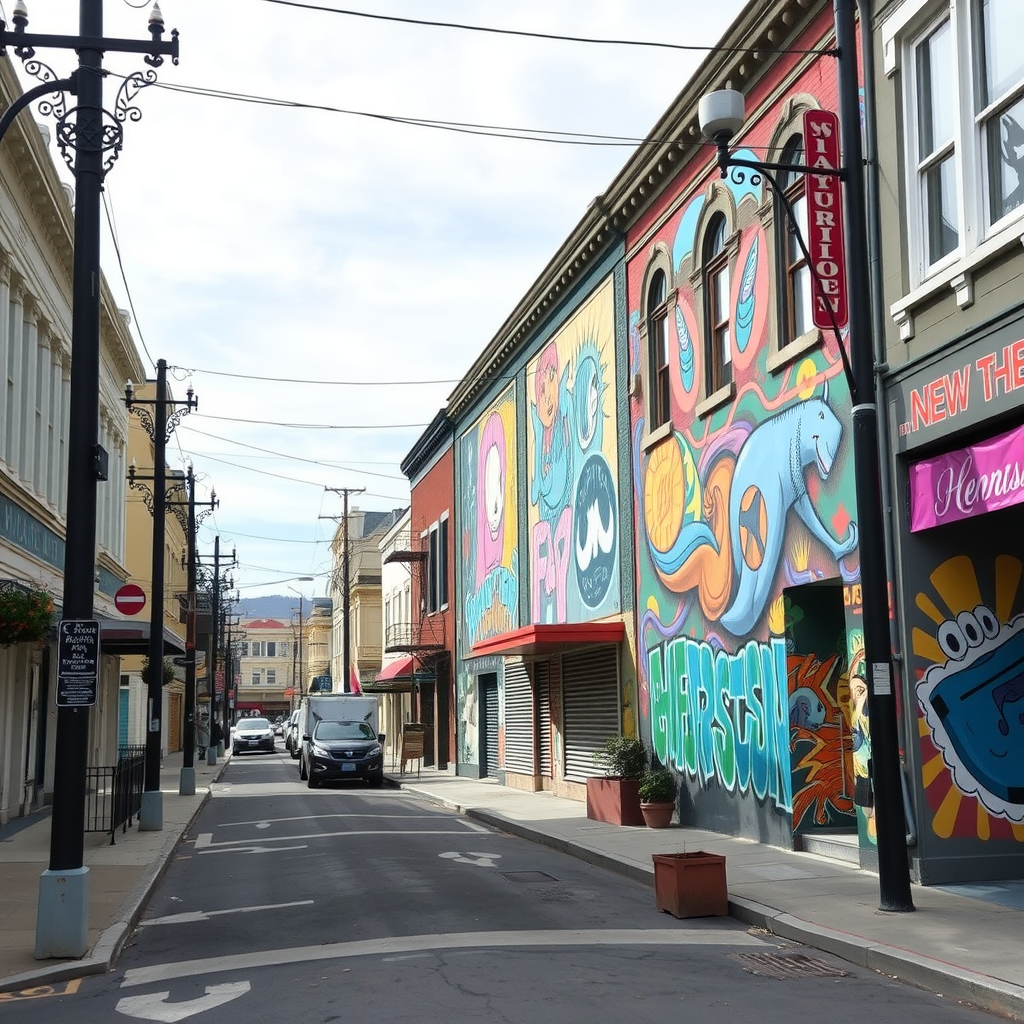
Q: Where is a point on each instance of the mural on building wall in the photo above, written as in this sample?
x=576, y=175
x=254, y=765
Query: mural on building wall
x=968, y=644
x=733, y=507
x=489, y=563
x=571, y=466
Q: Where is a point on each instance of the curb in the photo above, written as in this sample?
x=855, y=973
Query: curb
x=924, y=972
x=103, y=955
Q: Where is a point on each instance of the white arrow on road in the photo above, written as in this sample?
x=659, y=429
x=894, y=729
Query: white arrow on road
x=154, y=1005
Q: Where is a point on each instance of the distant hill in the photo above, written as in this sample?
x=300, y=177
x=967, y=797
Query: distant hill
x=272, y=606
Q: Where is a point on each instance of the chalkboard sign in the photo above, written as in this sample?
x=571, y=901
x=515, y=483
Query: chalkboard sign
x=78, y=651
x=412, y=744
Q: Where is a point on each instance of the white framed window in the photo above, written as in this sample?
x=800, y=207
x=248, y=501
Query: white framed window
x=963, y=75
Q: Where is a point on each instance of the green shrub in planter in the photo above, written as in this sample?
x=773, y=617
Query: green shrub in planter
x=657, y=786
x=622, y=757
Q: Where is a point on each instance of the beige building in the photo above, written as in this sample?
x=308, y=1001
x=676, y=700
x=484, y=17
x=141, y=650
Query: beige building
x=270, y=662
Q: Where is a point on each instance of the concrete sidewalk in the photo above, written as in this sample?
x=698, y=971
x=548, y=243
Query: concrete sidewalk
x=964, y=944
x=121, y=877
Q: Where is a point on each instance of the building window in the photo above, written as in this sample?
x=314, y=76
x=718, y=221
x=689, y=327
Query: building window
x=255, y=677
x=795, y=283
x=437, y=566
x=271, y=677
x=271, y=649
x=658, y=349
x=965, y=108
x=718, y=330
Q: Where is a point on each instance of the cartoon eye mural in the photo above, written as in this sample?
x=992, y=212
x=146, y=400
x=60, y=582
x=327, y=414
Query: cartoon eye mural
x=952, y=640
x=746, y=300
x=685, y=351
x=987, y=620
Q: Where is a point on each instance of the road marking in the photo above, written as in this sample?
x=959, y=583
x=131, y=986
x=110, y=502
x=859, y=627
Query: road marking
x=475, y=826
x=187, y=917
x=481, y=860
x=154, y=1005
x=262, y=822
x=726, y=935
x=204, y=841
x=221, y=848
x=41, y=992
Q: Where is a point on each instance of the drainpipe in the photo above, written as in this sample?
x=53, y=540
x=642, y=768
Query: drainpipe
x=872, y=192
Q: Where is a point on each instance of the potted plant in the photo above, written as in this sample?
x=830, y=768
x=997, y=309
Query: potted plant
x=657, y=797
x=25, y=614
x=615, y=796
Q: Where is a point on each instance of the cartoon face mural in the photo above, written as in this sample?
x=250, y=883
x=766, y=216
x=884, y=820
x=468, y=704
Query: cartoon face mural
x=732, y=507
x=489, y=566
x=971, y=694
x=571, y=462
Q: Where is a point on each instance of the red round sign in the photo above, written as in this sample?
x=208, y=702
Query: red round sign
x=130, y=599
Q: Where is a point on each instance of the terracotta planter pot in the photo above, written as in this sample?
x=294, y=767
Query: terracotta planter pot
x=616, y=801
x=658, y=815
x=691, y=884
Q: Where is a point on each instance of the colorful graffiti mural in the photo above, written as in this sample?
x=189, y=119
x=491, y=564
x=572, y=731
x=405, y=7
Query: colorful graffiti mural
x=490, y=544
x=738, y=503
x=969, y=650
x=571, y=465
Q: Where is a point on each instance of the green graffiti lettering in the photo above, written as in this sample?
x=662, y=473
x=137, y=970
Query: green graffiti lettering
x=661, y=711
x=725, y=749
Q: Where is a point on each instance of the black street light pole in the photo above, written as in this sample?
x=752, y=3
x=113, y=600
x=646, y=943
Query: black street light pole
x=721, y=117
x=89, y=145
x=159, y=426
x=192, y=519
x=218, y=708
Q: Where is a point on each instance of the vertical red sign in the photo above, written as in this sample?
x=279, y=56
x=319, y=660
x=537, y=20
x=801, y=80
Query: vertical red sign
x=825, y=240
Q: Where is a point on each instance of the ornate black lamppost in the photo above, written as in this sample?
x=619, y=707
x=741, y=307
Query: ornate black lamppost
x=159, y=426
x=89, y=139
x=722, y=117
x=186, y=513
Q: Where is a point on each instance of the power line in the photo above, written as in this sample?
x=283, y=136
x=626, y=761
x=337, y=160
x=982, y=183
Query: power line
x=189, y=371
x=318, y=426
x=542, y=35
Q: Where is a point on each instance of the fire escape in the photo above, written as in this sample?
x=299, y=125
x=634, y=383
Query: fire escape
x=424, y=637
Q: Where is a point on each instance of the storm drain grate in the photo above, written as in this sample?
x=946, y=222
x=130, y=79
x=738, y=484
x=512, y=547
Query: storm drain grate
x=529, y=876
x=788, y=965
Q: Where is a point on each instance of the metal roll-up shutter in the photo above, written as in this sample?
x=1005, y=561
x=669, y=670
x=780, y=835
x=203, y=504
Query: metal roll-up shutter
x=590, y=703
x=519, y=756
x=543, y=680
x=489, y=699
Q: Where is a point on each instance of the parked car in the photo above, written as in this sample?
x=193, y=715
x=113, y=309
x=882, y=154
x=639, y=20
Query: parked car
x=253, y=734
x=291, y=734
x=342, y=750
x=279, y=725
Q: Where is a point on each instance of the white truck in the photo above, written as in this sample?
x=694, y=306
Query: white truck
x=339, y=738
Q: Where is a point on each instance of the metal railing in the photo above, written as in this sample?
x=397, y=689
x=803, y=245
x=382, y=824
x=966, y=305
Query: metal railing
x=113, y=793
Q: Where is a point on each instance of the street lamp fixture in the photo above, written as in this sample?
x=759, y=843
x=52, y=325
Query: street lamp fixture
x=721, y=116
x=159, y=425
x=301, y=673
x=89, y=139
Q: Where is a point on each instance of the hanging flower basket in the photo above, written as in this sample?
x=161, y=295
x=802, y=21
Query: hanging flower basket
x=25, y=614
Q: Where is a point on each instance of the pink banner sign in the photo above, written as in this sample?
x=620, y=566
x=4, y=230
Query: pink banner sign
x=968, y=482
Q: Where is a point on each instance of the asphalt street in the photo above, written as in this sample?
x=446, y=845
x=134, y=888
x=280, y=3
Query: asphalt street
x=347, y=903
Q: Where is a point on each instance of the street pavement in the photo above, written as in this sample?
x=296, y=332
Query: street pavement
x=964, y=944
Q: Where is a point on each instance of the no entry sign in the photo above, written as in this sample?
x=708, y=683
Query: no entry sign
x=130, y=599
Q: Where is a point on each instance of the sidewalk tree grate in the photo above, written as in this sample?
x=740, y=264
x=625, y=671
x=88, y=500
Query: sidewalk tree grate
x=788, y=965
x=529, y=876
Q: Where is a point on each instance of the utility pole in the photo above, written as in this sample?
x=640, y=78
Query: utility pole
x=187, y=780
x=346, y=650
x=96, y=138
x=158, y=426
x=218, y=707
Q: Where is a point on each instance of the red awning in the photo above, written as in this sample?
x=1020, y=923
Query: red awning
x=545, y=637
x=398, y=669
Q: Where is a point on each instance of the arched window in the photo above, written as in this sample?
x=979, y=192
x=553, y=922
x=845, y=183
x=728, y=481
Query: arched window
x=717, y=326
x=795, y=285
x=658, y=349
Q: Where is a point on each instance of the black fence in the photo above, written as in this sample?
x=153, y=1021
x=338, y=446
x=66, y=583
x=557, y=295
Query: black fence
x=113, y=793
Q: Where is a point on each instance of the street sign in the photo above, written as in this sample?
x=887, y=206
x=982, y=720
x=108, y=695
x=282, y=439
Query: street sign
x=130, y=599
x=78, y=649
x=825, y=242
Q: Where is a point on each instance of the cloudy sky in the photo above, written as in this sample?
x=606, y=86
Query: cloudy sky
x=322, y=277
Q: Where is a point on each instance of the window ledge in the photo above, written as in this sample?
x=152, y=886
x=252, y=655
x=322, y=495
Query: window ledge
x=717, y=400
x=657, y=435
x=796, y=348
x=957, y=276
